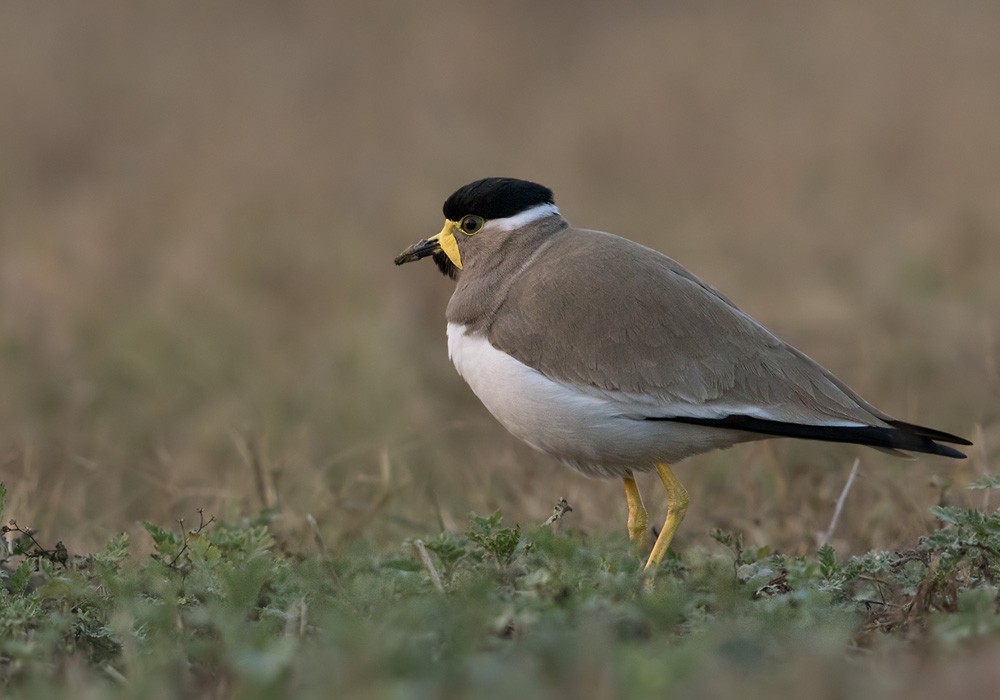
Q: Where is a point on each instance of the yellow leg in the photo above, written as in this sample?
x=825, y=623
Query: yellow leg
x=638, y=521
x=677, y=504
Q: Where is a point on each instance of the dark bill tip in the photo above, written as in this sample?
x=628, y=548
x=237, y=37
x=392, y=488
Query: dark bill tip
x=420, y=249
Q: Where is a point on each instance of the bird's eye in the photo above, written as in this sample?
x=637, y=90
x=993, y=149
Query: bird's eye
x=470, y=225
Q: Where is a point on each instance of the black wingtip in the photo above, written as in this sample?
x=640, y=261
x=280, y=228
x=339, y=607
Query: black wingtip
x=929, y=433
x=946, y=451
x=899, y=436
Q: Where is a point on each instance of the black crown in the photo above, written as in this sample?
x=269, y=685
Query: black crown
x=496, y=198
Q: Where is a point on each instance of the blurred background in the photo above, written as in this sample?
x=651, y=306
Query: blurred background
x=199, y=207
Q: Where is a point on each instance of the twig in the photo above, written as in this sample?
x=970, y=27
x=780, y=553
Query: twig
x=295, y=619
x=57, y=555
x=202, y=524
x=425, y=559
x=115, y=675
x=828, y=535
x=558, y=511
x=248, y=449
x=980, y=439
x=317, y=536
x=869, y=601
x=879, y=583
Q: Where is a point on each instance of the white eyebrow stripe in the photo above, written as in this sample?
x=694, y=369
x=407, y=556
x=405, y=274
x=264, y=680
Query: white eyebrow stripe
x=526, y=217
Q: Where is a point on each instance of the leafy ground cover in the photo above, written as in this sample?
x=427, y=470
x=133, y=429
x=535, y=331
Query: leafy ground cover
x=226, y=608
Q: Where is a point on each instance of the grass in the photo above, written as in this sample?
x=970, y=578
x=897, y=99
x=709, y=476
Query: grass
x=222, y=609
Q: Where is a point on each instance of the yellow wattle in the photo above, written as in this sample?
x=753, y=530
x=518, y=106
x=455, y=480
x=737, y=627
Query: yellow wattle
x=446, y=239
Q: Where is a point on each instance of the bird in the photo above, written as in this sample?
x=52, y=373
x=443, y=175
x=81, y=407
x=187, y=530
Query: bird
x=614, y=359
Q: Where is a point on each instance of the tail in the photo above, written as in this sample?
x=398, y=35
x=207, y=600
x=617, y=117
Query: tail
x=899, y=436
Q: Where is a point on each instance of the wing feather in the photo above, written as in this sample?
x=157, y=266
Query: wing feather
x=624, y=321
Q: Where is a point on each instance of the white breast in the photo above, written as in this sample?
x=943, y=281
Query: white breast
x=589, y=432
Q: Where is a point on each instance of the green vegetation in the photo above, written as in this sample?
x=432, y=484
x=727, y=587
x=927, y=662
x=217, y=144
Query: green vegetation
x=498, y=611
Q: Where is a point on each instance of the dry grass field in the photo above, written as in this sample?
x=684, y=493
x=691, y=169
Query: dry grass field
x=199, y=207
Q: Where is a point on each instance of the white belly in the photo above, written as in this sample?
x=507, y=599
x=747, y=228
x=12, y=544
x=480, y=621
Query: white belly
x=585, y=431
